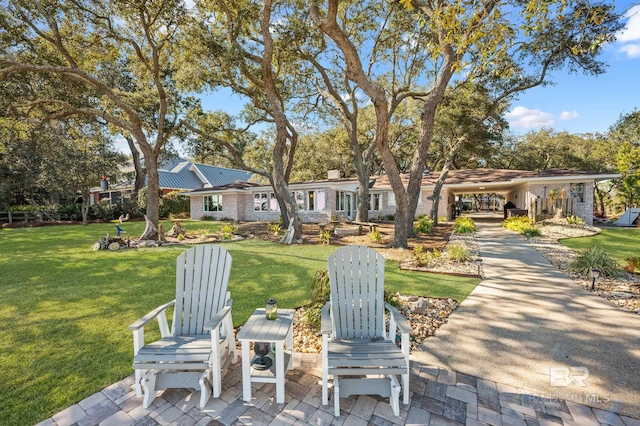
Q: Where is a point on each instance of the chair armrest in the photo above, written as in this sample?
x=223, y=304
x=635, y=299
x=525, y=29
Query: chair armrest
x=401, y=322
x=326, y=325
x=216, y=320
x=150, y=316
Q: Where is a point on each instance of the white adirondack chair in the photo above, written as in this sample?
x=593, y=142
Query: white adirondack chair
x=197, y=350
x=355, y=341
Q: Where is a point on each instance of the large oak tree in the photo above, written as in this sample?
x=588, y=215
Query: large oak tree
x=124, y=57
x=519, y=41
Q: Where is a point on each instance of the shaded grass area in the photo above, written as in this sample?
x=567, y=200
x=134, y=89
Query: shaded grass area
x=64, y=309
x=618, y=243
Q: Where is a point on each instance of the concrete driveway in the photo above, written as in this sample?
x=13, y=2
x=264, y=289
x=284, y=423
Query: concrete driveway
x=529, y=326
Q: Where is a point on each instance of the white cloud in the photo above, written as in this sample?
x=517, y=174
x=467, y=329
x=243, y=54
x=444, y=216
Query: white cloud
x=569, y=115
x=631, y=50
x=529, y=118
x=629, y=37
x=632, y=30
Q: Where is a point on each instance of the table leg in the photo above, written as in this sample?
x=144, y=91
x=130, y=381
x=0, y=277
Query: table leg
x=290, y=347
x=246, y=371
x=280, y=372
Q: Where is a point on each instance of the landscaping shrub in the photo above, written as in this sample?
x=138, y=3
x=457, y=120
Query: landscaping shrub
x=632, y=264
x=423, y=258
x=104, y=211
x=319, y=294
x=71, y=211
x=392, y=299
x=423, y=226
x=594, y=258
x=574, y=220
x=457, y=253
x=325, y=236
x=274, y=228
x=376, y=236
x=176, y=203
x=531, y=231
x=522, y=225
x=464, y=225
x=227, y=231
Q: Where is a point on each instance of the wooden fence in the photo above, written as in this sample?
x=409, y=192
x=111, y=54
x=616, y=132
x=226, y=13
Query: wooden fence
x=545, y=208
x=29, y=216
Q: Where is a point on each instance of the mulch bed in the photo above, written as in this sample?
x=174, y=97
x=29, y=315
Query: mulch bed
x=437, y=239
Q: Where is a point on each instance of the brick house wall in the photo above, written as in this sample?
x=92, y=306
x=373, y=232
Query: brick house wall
x=583, y=209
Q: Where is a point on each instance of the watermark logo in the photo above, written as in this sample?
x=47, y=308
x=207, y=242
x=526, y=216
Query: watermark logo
x=567, y=376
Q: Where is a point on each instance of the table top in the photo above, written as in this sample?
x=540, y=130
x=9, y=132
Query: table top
x=259, y=329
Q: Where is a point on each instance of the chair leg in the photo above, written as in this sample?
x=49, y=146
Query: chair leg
x=149, y=386
x=205, y=387
x=325, y=387
x=394, y=398
x=336, y=395
x=138, y=378
x=405, y=389
x=231, y=340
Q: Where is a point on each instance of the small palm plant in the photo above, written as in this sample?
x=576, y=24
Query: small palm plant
x=594, y=258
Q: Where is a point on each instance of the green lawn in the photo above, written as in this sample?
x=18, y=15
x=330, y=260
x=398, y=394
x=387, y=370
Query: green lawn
x=618, y=243
x=64, y=309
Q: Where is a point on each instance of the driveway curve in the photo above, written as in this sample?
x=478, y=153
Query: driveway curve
x=531, y=327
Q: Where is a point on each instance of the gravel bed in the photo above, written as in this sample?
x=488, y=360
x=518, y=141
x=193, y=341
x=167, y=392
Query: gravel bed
x=623, y=291
x=444, y=265
x=424, y=314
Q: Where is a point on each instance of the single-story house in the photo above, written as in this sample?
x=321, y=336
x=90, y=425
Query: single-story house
x=321, y=201
x=176, y=175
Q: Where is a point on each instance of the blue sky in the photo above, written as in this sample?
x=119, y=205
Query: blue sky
x=587, y=104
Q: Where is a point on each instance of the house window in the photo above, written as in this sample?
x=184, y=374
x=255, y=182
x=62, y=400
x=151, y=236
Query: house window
x=299, y=197
x=316, y=201
x=341, y=201
x=576, y=190
x=261, y=202
x=375, y=202
x=273, y=203
x=213, y=203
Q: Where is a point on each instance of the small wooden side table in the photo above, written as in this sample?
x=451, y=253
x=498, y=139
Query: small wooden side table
x=259, y=329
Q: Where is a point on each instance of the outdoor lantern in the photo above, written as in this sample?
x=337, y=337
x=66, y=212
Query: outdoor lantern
x=478, y=263
x=595, y=273
x=271, y=310
x=261, y=361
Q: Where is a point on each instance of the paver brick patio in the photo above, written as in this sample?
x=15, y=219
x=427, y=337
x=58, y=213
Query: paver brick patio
x=469, y=401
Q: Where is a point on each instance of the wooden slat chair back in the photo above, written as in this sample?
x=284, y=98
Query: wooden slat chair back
x=355, y=340
x=197, y=350
x=202, y=278
x=357, y=293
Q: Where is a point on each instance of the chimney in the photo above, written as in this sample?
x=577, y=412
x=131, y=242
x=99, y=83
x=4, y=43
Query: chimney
x=333, y=174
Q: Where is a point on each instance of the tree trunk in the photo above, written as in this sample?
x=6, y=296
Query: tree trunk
x=283, y=208
x=85, y=205
x=290, y=207
x=363, y=172
x=276, y=108
x=151, y=229
x=436, y=192
x=141, y=172
x=153, y=193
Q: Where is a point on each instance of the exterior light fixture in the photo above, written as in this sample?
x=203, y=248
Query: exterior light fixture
x=478, y=263
x=595, y=273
